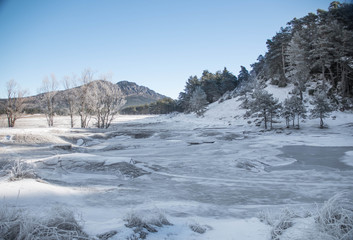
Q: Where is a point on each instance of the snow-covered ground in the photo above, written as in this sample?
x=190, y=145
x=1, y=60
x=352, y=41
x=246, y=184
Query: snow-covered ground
x=217, y=172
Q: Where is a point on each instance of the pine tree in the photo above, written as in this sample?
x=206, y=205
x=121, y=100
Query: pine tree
x=227, y=81
x=258, y=67
x=243, y=75
x=286, y=112
x=273, y=109
x=265, y=103
x=341, y=70
x=184, y=97
x=275, y=57
x=198, y=101
x=299, y=70
x=322, y=107
x=293, y=107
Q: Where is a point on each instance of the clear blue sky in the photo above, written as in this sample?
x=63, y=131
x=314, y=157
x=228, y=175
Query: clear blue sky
x=158, y=44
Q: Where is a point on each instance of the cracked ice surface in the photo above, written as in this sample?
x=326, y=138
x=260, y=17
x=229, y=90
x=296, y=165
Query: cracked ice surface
x=219, y=173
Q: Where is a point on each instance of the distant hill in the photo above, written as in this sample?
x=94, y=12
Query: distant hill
x=133, y=94
x=138, y=95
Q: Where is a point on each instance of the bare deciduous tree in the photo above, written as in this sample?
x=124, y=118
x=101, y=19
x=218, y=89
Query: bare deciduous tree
x=15, y=102
x=107, y=102
x=70, y=98
x=84, y=103
x=49, y=89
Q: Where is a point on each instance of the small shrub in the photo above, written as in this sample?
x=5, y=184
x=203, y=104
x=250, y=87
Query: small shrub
x=159, y=219
x=133, y=220
x=16, y=223
x=266, y=217
x=107, y=235
x=195, y=227
x=20, y=170
x=9, y=222
x=280, y=224
x=141, y=223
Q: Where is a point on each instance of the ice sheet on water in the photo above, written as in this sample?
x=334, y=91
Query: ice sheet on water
x=80, y=142
x=188, y=181
x=348, y=158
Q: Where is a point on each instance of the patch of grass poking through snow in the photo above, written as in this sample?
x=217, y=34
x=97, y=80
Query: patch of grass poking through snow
x=279, y=223
x=284, y=221
x=60, y=223
x=266, y=217
x=336, y=217
x=20, y=170
x=142, y=224
x=196, y=227
x=9, y=222
x=107, y=235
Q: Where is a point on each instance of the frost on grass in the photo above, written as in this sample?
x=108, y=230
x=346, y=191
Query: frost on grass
x=142, y=224
x=59, y=223
x=107, y=235
x=20, y=170
x=196, y=227
x=334, y=220
x=279, y=223
x=266, y=217
x=284, y=221
x=336, y=217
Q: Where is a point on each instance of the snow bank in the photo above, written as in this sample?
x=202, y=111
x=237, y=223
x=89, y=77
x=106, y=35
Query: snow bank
x=228, y=111
x=30, y=191
x=32, y=136
x=280, y=93
x=182, y=228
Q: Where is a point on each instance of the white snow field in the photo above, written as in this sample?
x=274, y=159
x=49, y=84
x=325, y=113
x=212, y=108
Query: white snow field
x=213, y=174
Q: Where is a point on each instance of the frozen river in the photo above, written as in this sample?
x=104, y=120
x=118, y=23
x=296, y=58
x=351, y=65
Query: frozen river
x=207, y=172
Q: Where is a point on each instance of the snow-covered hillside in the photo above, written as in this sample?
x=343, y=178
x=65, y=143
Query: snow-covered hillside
x=186, y=177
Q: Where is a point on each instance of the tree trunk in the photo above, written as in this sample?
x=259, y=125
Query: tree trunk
x=333, y=82
x=83, y=124
x=265, y=118
x=323, y=77
x=344, y=82
x=283, y=63
x=9, y=120
x=287, y=122
x=72, y=120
